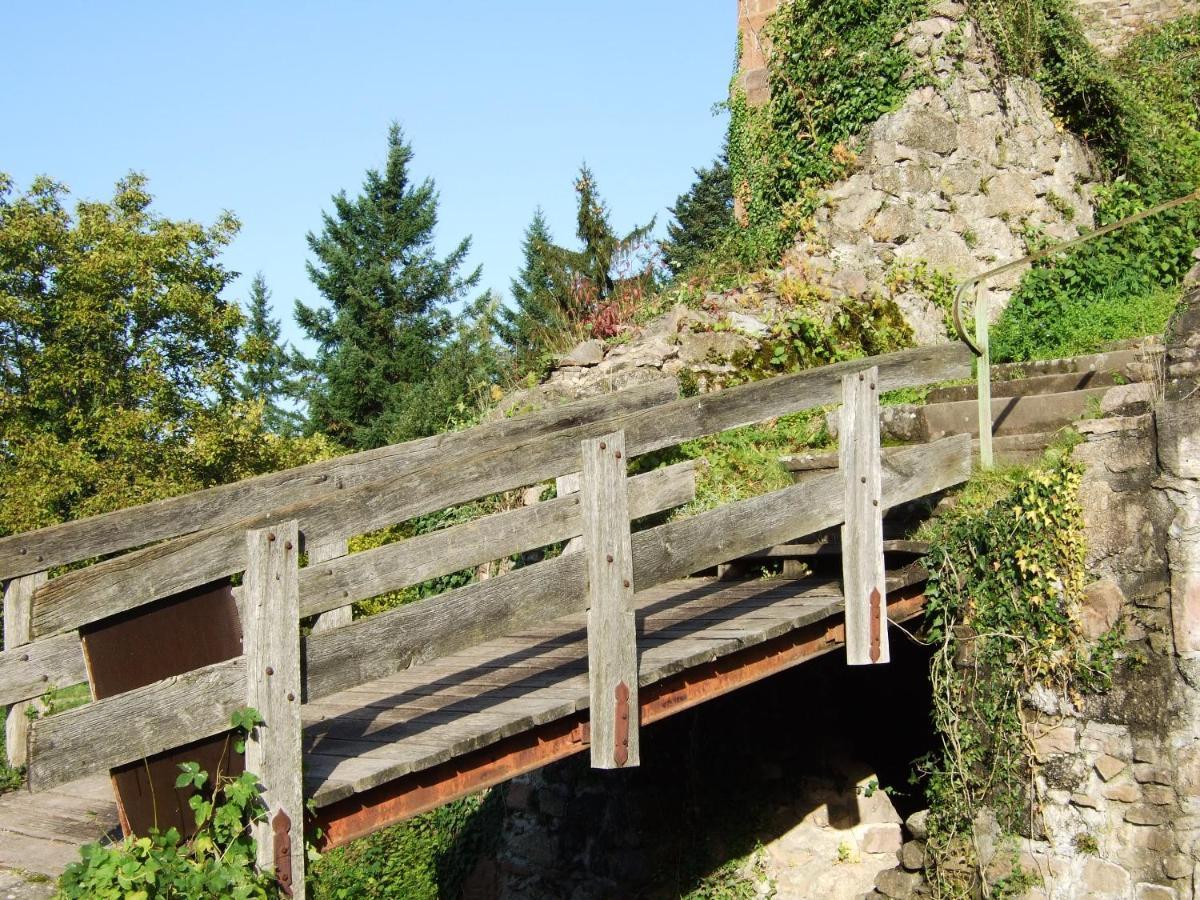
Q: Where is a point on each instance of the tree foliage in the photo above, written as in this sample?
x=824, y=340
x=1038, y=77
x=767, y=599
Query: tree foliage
x=603, y=253
x=266, y=372
x=385, y=324
x=541, y=295
x=118, y=382
x=702, y=216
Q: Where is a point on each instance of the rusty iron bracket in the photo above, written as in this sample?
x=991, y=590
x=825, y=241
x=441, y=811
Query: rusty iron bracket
x=621, y=752
x=582, y=733
x=281, y=828
x=876, y=625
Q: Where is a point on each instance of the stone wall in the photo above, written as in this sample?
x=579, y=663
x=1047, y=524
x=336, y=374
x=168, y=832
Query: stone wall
x=1110, y=23
x=954, y=180
x=1117, y=777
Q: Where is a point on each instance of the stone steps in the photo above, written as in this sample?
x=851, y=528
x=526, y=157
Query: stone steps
x=1031, y=402
x=1039, y=384
x=1132, y=362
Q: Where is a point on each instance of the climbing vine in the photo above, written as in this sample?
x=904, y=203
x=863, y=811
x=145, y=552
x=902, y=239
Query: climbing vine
x=834, y=68
x=1006, y=580
x=1140, y=114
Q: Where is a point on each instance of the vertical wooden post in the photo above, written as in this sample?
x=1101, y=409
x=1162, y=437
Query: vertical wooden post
x=863, y=574
x=612, y=632
x=323, y=551
x=564, y=485
x=983, y=376
x=271, y=637
x=18, y=630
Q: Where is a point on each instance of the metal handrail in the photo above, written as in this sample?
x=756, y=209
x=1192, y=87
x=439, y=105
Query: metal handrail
x=1050, y=251
x=979, y=345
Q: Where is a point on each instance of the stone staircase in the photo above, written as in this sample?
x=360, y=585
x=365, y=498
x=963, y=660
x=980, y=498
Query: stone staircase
x=1031, y=402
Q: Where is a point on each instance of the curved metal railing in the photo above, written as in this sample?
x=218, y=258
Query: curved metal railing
x=979, y=344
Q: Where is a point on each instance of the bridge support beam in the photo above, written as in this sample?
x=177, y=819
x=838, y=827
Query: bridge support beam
x=863, y=574
x=271, y=637
x=612, y=632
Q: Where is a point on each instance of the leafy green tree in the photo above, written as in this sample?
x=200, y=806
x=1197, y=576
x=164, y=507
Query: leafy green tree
x=541, y=294
x=118, y=380
x=266, y=372
x=703, y=214
x=385, y=323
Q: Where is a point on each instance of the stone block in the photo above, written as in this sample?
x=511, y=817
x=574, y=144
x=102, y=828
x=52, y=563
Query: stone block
x=1179, y=438
x=1158, y=794
x=1087, y=801
x=1103, y=601
x=1104, y=879
x=1144, y=814
x=518, y=795
x=879, y=837
x=912, y=855
x=1122, y=793
x=922, y=129
x=1176, y=866
x=898, y=884
x=589, y=353
x=918, y=824
x=1147, y=773
x=1054, y=741
x=1109, y=767
x=1147, y=891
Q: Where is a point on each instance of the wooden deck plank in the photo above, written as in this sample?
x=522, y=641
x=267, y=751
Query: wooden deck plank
x=473, y=699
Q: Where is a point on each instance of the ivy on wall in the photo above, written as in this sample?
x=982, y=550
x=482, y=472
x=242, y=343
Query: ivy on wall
x=1006, y=580
x=833, y=70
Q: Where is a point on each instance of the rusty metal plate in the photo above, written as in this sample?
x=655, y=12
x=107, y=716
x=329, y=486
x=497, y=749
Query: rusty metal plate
x=168, y=637
x=621, y=752
x=281, y=828
x=876, y=624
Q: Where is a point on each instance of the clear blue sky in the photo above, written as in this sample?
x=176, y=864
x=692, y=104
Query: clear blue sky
x=269, y=108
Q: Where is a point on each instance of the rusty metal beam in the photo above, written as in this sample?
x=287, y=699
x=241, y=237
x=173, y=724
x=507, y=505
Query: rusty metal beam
x=368, y=812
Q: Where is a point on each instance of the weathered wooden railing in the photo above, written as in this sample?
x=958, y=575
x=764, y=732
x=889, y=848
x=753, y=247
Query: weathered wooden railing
x=259, y=527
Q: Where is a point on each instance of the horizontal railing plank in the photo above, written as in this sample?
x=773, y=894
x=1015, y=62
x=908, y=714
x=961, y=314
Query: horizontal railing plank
x=458, y=619
x=141, y=577
x=134, y=725
x=396, y=566
x=32, y=669
x=137, y=526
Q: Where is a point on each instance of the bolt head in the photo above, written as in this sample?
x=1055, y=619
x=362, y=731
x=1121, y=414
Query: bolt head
x=270, y=670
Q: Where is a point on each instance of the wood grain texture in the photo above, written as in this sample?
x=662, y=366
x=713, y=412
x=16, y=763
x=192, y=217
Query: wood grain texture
x=611, y=630
x=29, y=671
x=417, y=559
x=271, y=628
x=564, y=485
x=324, y=552
x=862, y=531
x=131, y=726
x=162, y=519
x=143, y=576
x=458, y=619
x=18, y=631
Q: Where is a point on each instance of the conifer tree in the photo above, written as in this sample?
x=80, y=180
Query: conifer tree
x=381, y=334
x=702, y=214
x=540, y=292
x=266, y=370
x=602, y=249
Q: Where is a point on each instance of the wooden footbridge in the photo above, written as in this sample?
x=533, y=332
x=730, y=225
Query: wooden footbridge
x=192, y=608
